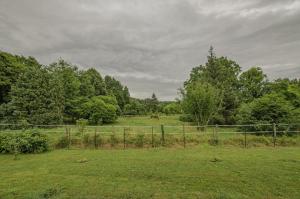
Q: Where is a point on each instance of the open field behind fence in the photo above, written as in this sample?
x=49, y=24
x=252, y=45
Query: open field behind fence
x=72, y=136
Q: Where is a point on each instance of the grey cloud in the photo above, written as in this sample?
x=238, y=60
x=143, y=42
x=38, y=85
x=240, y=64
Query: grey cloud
x=152, y=45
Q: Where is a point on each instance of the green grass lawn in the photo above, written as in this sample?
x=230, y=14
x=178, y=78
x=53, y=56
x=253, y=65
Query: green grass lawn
x=196, y=172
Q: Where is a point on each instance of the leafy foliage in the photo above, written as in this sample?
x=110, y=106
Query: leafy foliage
x=135, y=107
x=56, y=93
x=26, y=142
x=221, y=73
x=172, y=108
x=253, y=84
x=37, y=97
x=201, y=100
x=100, y=109
x=280, y=106
x=247, y=97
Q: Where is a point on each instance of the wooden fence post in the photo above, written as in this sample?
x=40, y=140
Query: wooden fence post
x=274, y=134
x=183, y=131
x=162, y=135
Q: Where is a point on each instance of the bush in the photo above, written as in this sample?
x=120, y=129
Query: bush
x=271, y=108
x=172, y=108
x=98, y=110
x=26, y=142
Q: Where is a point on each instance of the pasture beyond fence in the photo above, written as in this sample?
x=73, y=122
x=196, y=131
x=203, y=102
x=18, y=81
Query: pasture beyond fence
x=77, y=136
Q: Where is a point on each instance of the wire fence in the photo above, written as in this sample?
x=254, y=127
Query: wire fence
x=72, y=136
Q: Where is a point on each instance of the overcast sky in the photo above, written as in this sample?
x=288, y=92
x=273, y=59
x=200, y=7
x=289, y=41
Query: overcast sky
x=152, y=45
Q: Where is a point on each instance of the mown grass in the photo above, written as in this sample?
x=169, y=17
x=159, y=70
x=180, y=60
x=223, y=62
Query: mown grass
x=197, y=172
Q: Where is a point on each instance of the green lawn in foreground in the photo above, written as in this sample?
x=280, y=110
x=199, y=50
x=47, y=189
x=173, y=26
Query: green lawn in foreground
x=200, y=172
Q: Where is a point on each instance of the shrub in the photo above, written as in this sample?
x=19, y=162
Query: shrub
x=172, y=108
x=25, y=142
x=100, y=110
x=271, y=108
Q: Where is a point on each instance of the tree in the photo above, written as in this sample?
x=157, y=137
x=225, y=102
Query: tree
x=201, y=100
x=221, y=73
x=271, y=108
x=134, y=108
x=151, y=104
x=100, y=109
x=172, y=108
x=126, y=95
x=67, y=75
x=56, y=93
x=115, y=88
x=92, y=83
x=154, y=103
x=37, y=97
x=253, y=84
x=11, y=66
x=280, y=105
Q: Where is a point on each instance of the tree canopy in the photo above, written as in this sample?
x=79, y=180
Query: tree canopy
x=246, y=97
x=57, y=93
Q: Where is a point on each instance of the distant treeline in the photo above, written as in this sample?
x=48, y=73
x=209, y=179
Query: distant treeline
x=61, y=93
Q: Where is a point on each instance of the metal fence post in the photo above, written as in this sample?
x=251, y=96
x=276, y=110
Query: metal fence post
x=124, y=138
x=274, y=134
x=152, y=137
x=183, y=131
x=99, y=136
x=162, y=134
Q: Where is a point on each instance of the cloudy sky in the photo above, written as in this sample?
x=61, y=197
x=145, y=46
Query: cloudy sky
x=151, y=45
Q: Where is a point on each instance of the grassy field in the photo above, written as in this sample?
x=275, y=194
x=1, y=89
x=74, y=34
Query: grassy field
x=198, y=172
x=147, y=121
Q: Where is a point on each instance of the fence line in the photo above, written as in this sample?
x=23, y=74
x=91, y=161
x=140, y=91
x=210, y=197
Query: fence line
x=162, y=132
